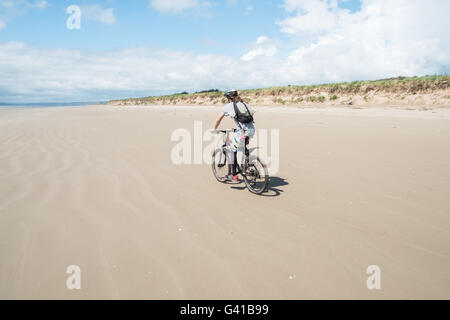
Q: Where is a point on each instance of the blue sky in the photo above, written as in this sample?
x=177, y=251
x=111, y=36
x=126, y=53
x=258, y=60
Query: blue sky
x=220, y=27
x=146, y=47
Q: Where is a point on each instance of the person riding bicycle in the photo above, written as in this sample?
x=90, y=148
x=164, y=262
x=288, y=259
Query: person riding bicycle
x=242, y=114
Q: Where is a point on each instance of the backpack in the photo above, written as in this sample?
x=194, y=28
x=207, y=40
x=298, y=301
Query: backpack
x=245, y=117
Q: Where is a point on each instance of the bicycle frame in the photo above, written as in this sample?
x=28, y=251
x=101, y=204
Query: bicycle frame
x=224, y=145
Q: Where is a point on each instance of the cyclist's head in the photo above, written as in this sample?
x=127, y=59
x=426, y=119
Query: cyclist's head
x=232, y=94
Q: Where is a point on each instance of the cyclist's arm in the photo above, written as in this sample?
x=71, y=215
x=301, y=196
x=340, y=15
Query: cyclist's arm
x=219, y=120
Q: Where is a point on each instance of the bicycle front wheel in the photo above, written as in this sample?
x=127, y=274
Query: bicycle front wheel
x=219, y=164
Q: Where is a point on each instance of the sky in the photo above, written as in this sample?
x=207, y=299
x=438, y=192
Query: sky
x=149, y=47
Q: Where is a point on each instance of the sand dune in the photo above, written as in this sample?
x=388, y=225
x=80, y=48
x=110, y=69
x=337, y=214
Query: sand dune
x=416, y=93
x=95, y=187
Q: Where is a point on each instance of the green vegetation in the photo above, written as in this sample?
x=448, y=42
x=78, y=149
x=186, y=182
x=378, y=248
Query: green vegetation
x=278, y=101
x=311, y=99
x=316, y=99
x=312, y=93
x=352, y=87
x=209, y=91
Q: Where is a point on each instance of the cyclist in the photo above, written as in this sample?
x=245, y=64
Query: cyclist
x=236, y=109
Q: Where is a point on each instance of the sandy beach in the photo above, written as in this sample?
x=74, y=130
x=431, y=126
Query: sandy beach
x=95, y=187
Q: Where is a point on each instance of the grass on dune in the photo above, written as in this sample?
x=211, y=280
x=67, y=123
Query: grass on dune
x=299, y=93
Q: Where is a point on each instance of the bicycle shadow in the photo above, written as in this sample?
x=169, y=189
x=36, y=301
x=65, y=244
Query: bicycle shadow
x=273, y=189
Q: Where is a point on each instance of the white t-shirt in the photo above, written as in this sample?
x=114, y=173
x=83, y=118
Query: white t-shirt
x=228, y=111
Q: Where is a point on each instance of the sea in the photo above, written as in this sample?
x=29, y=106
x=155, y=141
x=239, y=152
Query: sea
x=48, y=104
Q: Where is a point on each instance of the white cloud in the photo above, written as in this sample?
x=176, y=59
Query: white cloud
x=166, y=6
x=9, y=3
x=385, y=38
x=23, y=4
x=41, y=4
x=9, y=9
x=97, y=13
x=264, y=48
x=30, y=73
x=312, y=16
x=262, y=39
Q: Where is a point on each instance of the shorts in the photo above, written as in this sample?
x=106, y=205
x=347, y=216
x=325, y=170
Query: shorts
x=237, y=139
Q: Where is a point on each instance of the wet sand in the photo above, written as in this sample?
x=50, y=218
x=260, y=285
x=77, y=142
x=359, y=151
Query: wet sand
x=96, y=187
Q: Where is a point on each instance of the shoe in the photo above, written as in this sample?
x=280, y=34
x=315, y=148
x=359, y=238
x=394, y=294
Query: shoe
x=231, y=178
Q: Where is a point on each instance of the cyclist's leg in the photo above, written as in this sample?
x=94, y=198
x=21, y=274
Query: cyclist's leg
x=232, y=162
x=245, y=135
x=231, y=154
x=231, y=157
x=247, y=142
x=234, y=168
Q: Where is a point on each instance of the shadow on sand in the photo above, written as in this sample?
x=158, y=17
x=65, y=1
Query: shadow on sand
x=272, y=191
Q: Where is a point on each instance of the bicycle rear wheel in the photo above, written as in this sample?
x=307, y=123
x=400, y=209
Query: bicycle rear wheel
x=256, y=177
x=219, y=164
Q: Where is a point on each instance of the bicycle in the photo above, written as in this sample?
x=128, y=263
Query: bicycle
x=253, y=171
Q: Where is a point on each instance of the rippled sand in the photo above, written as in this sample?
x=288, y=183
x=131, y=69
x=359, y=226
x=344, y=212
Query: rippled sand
x=95, y=187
